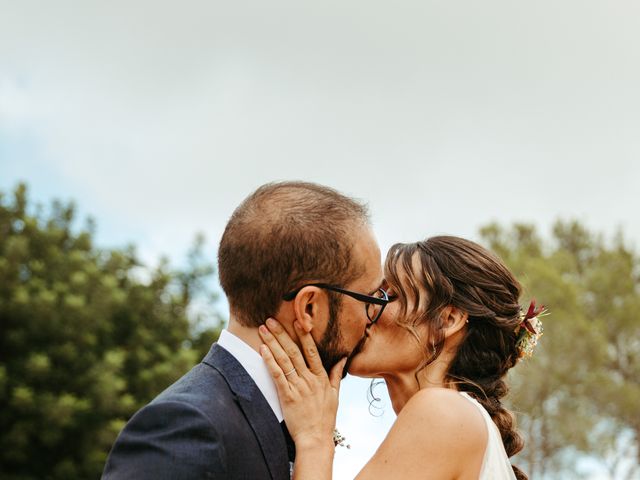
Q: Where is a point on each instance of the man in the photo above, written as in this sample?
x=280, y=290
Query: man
x=282, y=252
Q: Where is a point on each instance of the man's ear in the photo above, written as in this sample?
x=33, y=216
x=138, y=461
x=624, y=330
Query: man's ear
x=454, y=320
x=309, y=307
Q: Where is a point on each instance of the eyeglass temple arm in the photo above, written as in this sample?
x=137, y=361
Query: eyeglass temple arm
x=358, y=296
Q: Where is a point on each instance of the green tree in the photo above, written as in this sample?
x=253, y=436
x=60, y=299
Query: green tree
x=87, y=336
x=579, y=394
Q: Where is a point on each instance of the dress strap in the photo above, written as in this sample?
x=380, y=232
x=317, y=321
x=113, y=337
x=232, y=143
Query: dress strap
x=496, y=464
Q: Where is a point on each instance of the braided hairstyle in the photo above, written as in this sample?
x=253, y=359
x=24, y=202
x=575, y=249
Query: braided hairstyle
x=458, y=272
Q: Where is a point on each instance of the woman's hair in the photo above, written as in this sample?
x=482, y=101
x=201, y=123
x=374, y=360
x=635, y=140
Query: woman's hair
x=457, y=272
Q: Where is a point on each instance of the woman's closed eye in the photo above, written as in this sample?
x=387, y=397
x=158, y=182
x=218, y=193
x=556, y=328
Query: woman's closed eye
x=391, y=294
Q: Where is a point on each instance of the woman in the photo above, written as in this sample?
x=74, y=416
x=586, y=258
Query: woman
x=443, y=345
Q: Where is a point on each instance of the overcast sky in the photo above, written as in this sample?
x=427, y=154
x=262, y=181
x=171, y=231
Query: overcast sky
x=158, y=118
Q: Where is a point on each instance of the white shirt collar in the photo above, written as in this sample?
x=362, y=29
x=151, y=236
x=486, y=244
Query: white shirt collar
x=252, y=362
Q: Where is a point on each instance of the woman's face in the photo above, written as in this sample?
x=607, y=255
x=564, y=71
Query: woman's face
x=388, y=348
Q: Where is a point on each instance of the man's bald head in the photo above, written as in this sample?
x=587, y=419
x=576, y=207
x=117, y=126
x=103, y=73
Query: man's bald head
x=281, y=236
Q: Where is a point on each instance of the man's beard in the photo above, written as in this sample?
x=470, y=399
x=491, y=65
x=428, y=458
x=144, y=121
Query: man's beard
x=330, y=347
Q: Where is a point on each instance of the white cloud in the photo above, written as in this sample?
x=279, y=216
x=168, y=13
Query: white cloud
x=442, y=117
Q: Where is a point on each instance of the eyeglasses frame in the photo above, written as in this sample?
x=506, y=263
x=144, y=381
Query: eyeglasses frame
x=361, y=297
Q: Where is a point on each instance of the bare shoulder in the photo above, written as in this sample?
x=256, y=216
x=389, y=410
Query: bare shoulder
x=447, y=413
x=433, y=431
x=441, y=401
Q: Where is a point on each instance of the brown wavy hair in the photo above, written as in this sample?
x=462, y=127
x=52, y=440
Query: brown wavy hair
x=458, y=272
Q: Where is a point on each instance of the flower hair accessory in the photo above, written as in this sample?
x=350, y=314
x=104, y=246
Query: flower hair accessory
x=530, y=329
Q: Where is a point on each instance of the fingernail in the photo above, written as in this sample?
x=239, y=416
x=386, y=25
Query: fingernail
x=271, y=322
x=263, y=329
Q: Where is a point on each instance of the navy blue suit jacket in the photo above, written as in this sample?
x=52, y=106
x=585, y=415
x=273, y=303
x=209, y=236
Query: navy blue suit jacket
x=212, y=423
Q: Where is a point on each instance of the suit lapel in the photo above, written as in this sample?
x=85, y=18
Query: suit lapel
x=256, y=409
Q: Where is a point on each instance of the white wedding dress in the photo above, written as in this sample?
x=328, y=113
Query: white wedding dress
x=496, y=465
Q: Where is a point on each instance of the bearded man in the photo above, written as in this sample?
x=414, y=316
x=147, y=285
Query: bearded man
x=295, y=251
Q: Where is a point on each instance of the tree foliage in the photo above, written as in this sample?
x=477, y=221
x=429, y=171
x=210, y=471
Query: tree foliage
x=87, y=336
x=579, y=395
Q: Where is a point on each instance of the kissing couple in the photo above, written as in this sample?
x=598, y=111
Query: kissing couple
x=309, y=301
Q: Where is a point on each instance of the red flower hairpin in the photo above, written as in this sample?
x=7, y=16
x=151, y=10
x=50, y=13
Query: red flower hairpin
x=529, y=330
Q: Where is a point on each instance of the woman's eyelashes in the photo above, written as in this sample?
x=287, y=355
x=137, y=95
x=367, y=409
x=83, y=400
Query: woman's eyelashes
x=391, y=294
x=390, y=291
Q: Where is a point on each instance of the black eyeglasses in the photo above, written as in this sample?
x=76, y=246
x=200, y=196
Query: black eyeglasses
x=374, y=305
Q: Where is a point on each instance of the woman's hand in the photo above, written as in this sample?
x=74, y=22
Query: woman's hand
x=308, y=397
